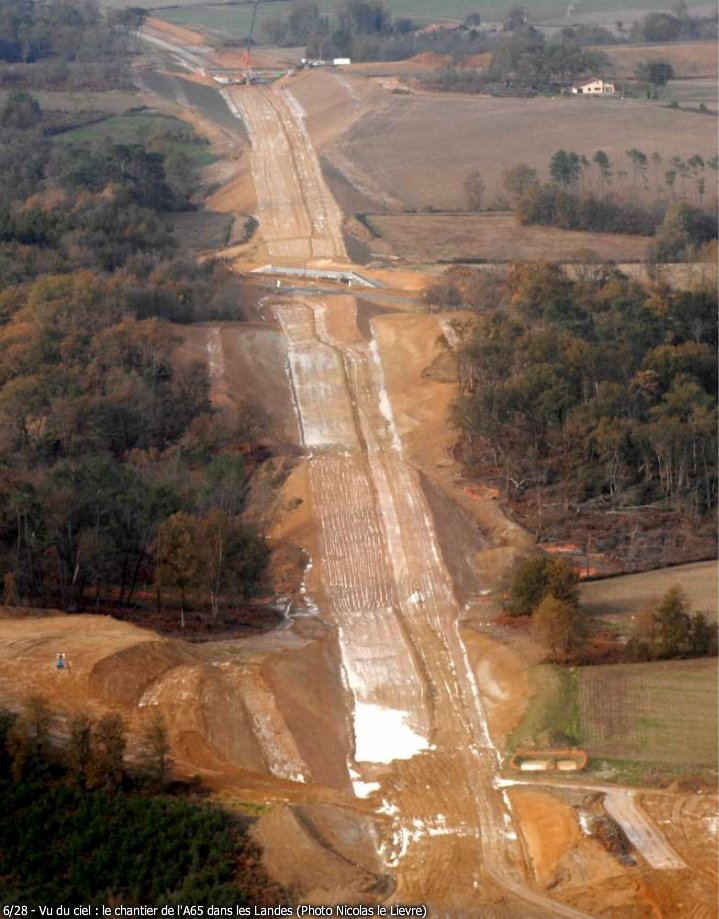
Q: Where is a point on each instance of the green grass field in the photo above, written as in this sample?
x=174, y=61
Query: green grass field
x=234, y=21
x=553, y=708
x=636, y=721
x=225, y=21
x=658, y=713
x=140, y=128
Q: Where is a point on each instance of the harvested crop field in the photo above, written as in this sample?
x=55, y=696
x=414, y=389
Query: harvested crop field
x=660, y=713
x=420, y=148
x=689, y=59
x=693, y=93
x=227, y=21
x=627, y=595
x=496, y=237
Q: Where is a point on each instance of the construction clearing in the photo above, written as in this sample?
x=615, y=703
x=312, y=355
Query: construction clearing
x=368, y=733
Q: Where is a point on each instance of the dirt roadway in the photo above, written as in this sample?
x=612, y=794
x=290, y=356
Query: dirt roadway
x=421, y=749
x=418, y=722
x=622, y=806
x=300, y=219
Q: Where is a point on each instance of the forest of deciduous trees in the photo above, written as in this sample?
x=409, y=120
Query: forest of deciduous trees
x=366, y=30
x=65, y=45
x=595, y=388
x=639, y=194
x=105, y=444
x=676, y=25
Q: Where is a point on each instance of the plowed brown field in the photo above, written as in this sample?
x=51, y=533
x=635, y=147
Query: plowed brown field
x=689, y=59
x=420, y=148
x=497, y=237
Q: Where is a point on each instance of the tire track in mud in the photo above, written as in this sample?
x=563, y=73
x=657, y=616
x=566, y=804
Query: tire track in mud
x=378, y=663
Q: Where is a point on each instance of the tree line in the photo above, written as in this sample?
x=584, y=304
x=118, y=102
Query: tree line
x=80, y=826
x=105, y=444
x=74, y=45
x=642, y=194
x=157, y=174
x=593, y=388
x=366, y=30
x=546, y=590
x=675, y=26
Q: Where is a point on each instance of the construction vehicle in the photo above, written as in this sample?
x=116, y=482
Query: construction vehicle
x=246, y=71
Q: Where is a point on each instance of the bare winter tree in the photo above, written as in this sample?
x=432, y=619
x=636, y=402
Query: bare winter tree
x=474, y=190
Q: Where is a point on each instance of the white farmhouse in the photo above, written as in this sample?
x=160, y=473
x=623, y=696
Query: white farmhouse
x=595, y=86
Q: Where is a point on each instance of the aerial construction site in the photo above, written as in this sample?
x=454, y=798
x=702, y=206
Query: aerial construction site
x=369, y=730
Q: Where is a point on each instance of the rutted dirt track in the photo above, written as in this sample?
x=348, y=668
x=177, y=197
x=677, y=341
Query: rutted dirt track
x=421, y=743
x=299, y=217
x=414, y=702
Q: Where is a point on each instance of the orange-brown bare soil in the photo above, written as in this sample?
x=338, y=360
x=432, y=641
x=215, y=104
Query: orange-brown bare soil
x=690, y=824
x=253, y=718
x=549, y=829
x=422, y=415
x=177, y=33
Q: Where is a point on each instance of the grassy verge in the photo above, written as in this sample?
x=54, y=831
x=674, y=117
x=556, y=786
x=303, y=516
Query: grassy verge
x=553, y=710
x=642, y=773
